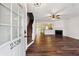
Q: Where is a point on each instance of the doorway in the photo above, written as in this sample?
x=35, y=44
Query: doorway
x=29, y=27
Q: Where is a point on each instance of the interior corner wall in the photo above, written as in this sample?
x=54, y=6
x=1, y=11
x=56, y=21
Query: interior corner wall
x=72, y=27
x=65, y=23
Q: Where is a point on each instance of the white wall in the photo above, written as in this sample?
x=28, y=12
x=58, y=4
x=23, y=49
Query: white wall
x=72, y=27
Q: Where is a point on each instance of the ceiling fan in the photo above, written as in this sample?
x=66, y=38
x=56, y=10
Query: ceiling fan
x=57, y=15
x=53, y=15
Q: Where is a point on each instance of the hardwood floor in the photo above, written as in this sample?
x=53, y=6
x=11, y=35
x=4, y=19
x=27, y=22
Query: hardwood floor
x=29, y=33
x=49, y=45
x=29, y=39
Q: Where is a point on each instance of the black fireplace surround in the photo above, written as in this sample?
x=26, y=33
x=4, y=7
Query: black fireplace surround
x=59, y=33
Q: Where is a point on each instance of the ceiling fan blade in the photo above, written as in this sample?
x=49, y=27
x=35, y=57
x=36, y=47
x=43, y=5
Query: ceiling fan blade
x=48, y=15
x=52, y=12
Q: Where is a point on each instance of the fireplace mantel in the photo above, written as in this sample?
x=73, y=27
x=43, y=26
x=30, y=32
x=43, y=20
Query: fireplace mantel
x=50, y=32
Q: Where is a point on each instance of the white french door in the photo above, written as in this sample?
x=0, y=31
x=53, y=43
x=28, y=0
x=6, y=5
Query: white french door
x=11, y=17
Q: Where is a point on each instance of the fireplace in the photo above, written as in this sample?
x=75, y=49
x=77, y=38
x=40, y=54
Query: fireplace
x=58, y=33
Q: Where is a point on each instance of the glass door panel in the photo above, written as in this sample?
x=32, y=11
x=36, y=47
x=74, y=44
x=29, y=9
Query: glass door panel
x=4, y=15
x=4, y=34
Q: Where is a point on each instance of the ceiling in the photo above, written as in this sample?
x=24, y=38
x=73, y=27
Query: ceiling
x=69, y=10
